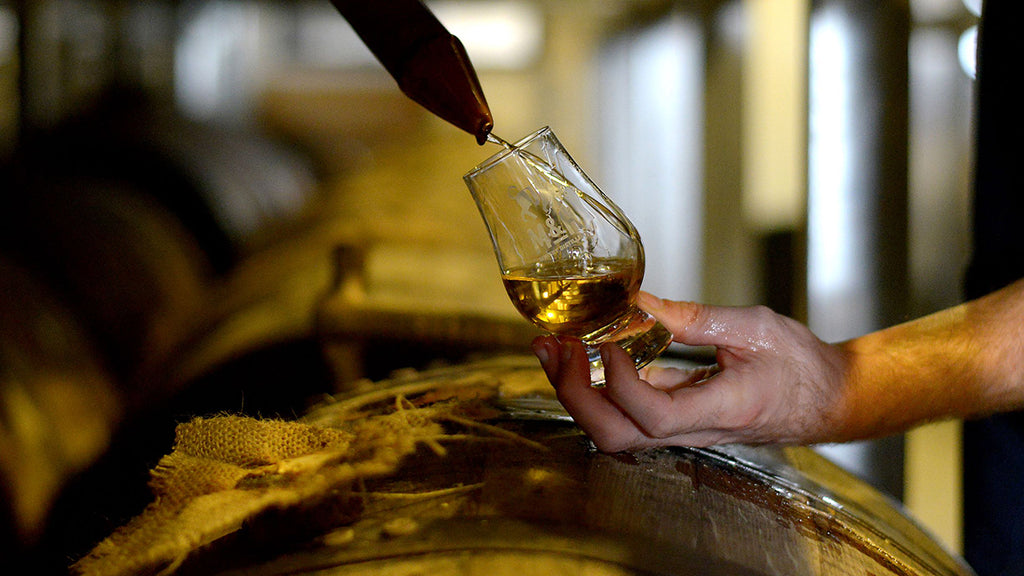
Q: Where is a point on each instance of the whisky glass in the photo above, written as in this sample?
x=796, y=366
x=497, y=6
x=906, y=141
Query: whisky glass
x=570, y=260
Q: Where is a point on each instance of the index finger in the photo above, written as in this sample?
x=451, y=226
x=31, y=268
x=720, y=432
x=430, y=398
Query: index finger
x=568, y=369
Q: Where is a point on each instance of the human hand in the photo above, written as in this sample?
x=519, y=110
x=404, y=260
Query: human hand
x=774, y=381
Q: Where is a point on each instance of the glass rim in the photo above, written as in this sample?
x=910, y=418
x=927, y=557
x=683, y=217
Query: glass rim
x=502, y=154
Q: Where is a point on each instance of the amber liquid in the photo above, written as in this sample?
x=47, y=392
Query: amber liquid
x=574, y=304
x=593, y=299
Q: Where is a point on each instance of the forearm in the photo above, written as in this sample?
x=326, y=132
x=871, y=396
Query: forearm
x=961, y=362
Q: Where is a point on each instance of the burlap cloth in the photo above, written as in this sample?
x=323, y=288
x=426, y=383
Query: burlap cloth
x=224, y=471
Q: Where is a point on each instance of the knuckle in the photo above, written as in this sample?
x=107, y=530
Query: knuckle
x=692, y=316
x=683, y=316
x=764, y=317
x=661, y=427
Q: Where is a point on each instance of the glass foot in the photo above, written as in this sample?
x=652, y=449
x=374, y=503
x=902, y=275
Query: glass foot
x=643, y=348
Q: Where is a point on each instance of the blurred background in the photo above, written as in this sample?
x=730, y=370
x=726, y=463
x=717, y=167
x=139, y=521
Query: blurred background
x=227, y=205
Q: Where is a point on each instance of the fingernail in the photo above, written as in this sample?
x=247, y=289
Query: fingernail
x=566, y=349
x=541, y=350
x=648, y=300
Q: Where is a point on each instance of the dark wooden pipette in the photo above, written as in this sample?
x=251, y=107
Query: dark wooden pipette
x=429, y=63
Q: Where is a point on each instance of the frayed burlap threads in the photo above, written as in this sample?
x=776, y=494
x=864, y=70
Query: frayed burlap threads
x=226, y=470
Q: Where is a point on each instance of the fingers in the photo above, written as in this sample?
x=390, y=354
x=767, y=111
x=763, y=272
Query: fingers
x=702, y=325
x=669, y=378
x=772, y=380
x=652, y=409
x=567, y=367
x=690, y=413
x=548, y=351
x=630, y=412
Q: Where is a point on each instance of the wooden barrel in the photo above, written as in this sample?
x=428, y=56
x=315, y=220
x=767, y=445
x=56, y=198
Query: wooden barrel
x=58, y=405
x=514, y=487
x=128, y=270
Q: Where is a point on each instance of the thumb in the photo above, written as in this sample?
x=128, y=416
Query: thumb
x=699, y=324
